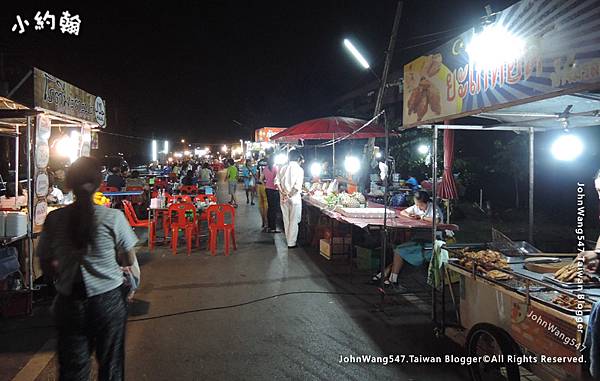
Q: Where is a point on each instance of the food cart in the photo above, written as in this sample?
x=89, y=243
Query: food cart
x=543, y=76
x=57, y=120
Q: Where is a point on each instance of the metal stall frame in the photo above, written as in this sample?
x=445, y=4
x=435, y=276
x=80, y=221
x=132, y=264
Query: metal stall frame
x=18, y=117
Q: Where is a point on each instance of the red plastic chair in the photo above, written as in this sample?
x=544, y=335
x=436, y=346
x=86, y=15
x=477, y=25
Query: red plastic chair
x=204, y=198
x=216, y=221
x=104, y=189
x=188, y=189
x=183, y=217
x=137, y=223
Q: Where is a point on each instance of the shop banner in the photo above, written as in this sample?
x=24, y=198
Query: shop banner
x=264, y=134
x=53, y=94
x=532, y=50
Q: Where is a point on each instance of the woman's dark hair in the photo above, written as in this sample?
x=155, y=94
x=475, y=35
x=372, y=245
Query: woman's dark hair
x=10, y=190
x=205, y=165
x=84, y=178
x=422, y=196
x=230, y=162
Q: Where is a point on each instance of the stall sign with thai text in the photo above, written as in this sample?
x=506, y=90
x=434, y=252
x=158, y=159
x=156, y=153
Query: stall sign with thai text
x=532, y=50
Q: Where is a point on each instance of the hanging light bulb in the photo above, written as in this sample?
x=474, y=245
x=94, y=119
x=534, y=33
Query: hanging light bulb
x=567, y=147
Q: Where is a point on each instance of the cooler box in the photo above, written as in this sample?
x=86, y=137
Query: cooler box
x=367, y=259
x=341, y=245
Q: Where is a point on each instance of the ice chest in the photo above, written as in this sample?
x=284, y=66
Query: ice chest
x=367, y=259
x=341, y=245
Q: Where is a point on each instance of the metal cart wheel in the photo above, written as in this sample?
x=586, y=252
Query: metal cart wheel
x=487, y=339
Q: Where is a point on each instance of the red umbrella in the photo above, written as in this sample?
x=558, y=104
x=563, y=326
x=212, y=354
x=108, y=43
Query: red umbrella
x=332, y=127
x=447, y=188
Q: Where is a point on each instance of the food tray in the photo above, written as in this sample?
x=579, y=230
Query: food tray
x=365, y=212
x=524, y=248
x=550, y=278
x=514, y=284
x=546, y=297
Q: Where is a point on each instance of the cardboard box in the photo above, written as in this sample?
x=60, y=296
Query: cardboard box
x=341, y=245
x=367, y=259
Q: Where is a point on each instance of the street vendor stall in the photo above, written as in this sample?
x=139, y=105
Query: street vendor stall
x=57, y=120
x=531, y=68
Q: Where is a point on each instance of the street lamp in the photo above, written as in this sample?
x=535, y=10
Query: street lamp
x=154, y=150
x=423, y=149
x=359, y=57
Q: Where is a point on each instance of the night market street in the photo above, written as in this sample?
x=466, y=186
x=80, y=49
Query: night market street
x=297, y=336
x=312, y=190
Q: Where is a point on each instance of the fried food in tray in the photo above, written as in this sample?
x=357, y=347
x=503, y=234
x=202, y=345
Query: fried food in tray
x=487, y=259
x=486, y=262
x=571, y=273
x=498, y=275
x=570, y=302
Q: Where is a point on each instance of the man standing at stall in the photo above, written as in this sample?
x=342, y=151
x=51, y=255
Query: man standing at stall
x=289, y=182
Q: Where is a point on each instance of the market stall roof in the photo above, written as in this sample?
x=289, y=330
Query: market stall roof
x=572, y=111
x=332, y=127
x=13, y=115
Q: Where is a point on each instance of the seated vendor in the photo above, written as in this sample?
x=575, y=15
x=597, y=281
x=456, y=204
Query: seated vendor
x=421, y=210
x=12, y=201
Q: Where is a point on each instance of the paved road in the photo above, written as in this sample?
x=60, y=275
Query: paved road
x=298, y=336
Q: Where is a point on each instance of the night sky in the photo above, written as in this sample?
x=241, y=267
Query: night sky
x=187, y=69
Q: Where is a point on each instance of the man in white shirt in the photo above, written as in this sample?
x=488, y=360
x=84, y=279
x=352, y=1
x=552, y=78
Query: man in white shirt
x=289, y=181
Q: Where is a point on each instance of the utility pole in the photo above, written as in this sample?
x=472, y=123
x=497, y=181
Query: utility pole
x=382, y=84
